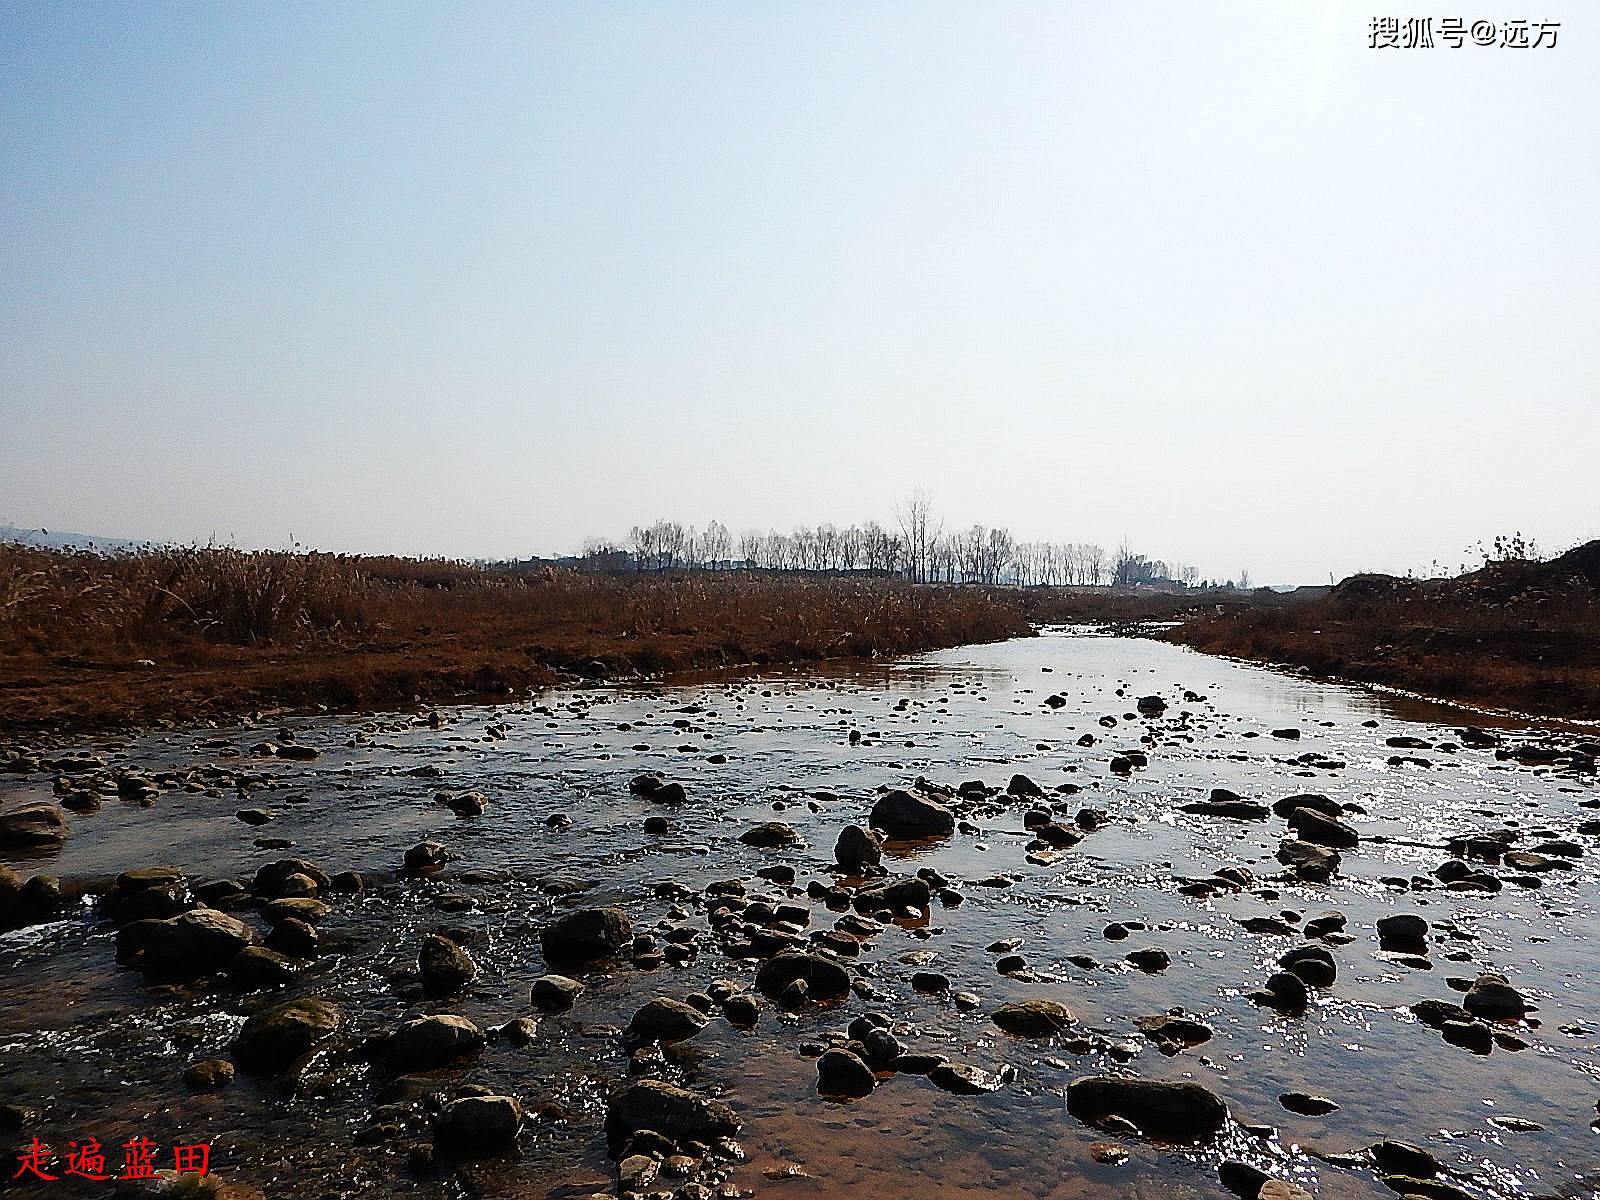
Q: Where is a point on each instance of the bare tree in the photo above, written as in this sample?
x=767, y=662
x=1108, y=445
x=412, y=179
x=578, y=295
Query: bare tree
x=921, y=532
x=716, y=543
x=1094, y=561
x=850, y=548
x=750, y=547
x=998, y=550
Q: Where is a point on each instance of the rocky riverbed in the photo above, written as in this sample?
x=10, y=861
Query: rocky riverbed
x=1069, y=915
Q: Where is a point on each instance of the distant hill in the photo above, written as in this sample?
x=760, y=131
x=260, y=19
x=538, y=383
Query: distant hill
x=57, y=539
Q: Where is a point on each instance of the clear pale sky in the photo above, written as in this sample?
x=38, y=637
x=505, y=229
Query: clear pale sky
x=481, y=280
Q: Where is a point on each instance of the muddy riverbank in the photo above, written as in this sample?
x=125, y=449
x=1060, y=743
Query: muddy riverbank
x=1100, y=887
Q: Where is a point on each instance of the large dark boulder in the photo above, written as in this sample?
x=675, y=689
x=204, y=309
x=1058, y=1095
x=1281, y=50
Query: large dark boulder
x=825, y=978
x=1168, y=1112
x=1033, y=1018
x=1322, y=804
x=857, y=847
x=431, y=1042
x=258, y=967
x=286, y=877
x=674, y=1112
x=275, y=1037
x=894, y=895
x=1322, y=829
x=446, y=968
x=555, y=993
x=476, y=1122
x=199, y=942
x=1403, y=933
x=904, y=814
x=1224, y=803
x=770, y=835
x=1313, y=863
x=1492, y=998
x=843, y=1073
x=586, y=936
x=666, y=1020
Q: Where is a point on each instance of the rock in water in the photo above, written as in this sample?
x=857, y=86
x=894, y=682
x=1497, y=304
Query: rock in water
x=1285, y=992
x=1402, y=1158
x=259, y=967
x=674, y=1112
x=1494, y=999
x=1151, y=960
x=33, y=825
x=479, y=1121
x=824, y=978
x=1168, y=1112
x=903, y=814
x=1173, y=1033
x=1313, y=863
x=431, y=1042
x=1403, y=933
x=1323, y=830
x=446, y=968
x=894, y=895
x=668, y=793
x=1322, y=804
x=770, y=835
x=960, y=1079
x=275, y=1037
x=555, y=993
x=464, y=804
x=841, y=1073
x=1033, y=1018
x=857, y=847
x=666, y=1020
x=1229, y=805
x=198, y=942
x=586, y=936
x=426, y=856
x=1307, y=1105
x=1021, y=785
x=1313, y=964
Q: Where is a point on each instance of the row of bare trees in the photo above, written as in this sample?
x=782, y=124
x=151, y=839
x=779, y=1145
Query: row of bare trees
x=917, y=547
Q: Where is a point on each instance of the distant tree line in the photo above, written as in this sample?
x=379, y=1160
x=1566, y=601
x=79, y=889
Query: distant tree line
x=916, y=547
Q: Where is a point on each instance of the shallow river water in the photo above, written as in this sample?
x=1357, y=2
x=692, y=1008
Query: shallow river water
x=97, y=1050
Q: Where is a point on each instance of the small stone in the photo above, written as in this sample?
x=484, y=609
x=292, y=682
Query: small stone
x=1307, y=1105
x=1151, y=959
x=209, y=1074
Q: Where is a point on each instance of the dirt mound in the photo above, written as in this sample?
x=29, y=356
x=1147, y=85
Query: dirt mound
x=1581, y=561
x=1370, y=589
